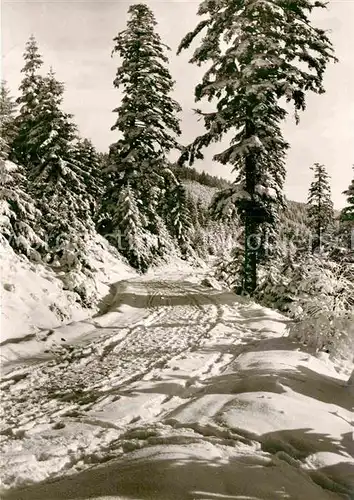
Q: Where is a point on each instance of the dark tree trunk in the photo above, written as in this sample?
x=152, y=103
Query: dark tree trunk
x=251, y=223
x=251, y=255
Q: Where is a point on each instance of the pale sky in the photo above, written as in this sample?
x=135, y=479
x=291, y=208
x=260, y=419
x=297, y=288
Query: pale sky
x=76, y=38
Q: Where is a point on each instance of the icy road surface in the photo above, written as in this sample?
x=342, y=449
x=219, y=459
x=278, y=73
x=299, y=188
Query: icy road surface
x=177, y=391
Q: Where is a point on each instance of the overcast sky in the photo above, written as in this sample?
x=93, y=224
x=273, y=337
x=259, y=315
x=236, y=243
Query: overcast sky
x=75, y=37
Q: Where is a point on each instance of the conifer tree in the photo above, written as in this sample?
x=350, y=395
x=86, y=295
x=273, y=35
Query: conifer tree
x=148, y=127
x=258, y=53
x=346, y=227
x=320, y=205
x=7, y=120
x=57, y=181
x=18, y=215
x=88, y=159
x=178, y=215
x=347, y=213
x=194, y=211
x=128, y=232
x=30, y=88
x=147, y=116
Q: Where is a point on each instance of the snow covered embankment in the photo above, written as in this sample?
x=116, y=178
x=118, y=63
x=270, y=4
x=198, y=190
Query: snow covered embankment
x=33, y=300
x=201, y=397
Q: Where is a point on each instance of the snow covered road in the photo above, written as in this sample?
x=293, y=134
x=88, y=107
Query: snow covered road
x=178, y=391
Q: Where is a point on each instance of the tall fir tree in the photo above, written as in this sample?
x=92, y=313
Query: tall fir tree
x=178, y=215
x=57, y=181
x=347, y=213
x=86, y=155
x=259, y=52
x=320, y=205
x=128, y=231
x=7, y=118
x=148, y=125
x=18, y=215
x=347, y=220
x=30, y=88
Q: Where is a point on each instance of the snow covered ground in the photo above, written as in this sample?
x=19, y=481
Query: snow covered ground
x=178, y=391
x=33, y=299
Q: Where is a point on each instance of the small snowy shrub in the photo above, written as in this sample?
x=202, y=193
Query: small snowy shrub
x=228, y=268
x=306, y=284
x=323, y=330
x=318, y=294
x=82, y=284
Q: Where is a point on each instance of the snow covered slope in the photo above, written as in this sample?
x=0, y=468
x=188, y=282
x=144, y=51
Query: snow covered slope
x=179, y=392
x=199, y=192
x=33, y=299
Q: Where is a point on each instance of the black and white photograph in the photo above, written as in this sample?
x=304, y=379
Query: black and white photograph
x=177, y=250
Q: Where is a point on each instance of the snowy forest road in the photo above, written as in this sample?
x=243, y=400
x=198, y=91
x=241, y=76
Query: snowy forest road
x=177, y=391
x=166, y=319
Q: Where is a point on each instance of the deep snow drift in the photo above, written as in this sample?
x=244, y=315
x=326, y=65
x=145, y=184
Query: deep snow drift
x=178, y=391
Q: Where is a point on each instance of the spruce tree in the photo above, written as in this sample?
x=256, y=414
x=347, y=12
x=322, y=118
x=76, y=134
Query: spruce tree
x=147, y=116
x=18, y=215
x=89, y=160
x=347, y=213
x=128, y=232
x=346, y=227
x=320, y=205
x=178, y=215
x=7, y=119
x=195, y=211
x=57, y=181
x=258, y=53
x=148, y=128
x=28, y=101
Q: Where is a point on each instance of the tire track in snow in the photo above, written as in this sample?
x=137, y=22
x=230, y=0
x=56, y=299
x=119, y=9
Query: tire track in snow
x=86, y=372
x=180, y=319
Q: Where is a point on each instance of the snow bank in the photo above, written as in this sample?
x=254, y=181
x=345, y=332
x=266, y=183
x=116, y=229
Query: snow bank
x=33, y=299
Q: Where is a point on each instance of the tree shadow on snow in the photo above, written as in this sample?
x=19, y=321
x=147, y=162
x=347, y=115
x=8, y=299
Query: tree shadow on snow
x=336, y=478
x=179, y=473
x=299, y=444
x=163, y=293
x=299, y=378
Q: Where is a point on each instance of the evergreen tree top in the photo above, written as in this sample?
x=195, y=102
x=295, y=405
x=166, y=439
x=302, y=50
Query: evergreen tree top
x=350, y=191
x=32, y=81
x=259, y=51
x=139, y=43
x=320, y=205
x=320, y=186
x=147, y=114
x=33, y=60
x=53, y=89
x=7, y=104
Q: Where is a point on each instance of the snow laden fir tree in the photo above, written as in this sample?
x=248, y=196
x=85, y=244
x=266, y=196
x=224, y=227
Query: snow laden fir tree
x=320, y=205
x=56, y=180
x=43, y=149
x=18, y=214
x=86, y=155
x=347, y=216
x=258, y=53
x=140, y=180
x=7, y=117
x=348, y=211
x=22, y=151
